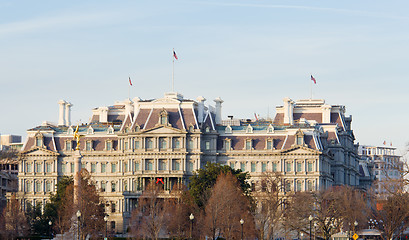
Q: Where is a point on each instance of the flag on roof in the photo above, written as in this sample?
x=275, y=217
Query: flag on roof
x=130, y=82
x=313, y=79
x=174, y=55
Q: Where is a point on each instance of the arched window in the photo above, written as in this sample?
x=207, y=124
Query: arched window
x=249, y=129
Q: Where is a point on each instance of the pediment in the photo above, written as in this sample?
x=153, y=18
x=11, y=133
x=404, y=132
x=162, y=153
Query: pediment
x=300, y=150
x=163, y=130
x=35, y=151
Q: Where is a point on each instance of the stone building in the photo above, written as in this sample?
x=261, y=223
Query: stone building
x=132, y=143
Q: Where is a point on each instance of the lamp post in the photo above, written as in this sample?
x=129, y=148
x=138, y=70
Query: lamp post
x=49, y=224
x=191, y=217
x=78, y=223
x=242, y=223
x=355, y=225
x=310, y=218
x=106, y=227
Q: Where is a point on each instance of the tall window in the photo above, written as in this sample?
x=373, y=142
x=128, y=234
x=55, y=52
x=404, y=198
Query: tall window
x=190, y=165
x=113, y=167
x=125, y=167
x=136, y=166
x=103, y=186
x=126, y=146
x=38, y=167
x=176, y=165
x=299, y=166
x=274, y=167
x=162, y=143
x=125, y=185
x=207, y=145
x=72, y=167
x=232, y=165
x=310, y=167
x=227, y=144
x=88, y=146
x=309, y=185
x=29, y=187
x=269, y=144
x=93, y=167
x=29, y=167
x=248, y=144
x=191, y=145
x=253, y=167
x=288, y=166
x=137, y=146
x=38, y=186
x=63, y=167
x=113, y=187
x=298, y=186
x=177, y=144
x=149, y=165
x=149, y=143
x=162, y=164
x=263, y=167
x=243, y=167
x=287, y=186
x=39, y=142
x=103, y=167
x=48, y=167
x=48, y=186
x=68, y=145
x=109, y=145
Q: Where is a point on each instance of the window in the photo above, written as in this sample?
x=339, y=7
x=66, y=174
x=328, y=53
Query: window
x=38, y=186
x=125, y=185
x=309, y=165
x=110, y=130
x=83, y=166
x=113, y=167
x=126, y=147
x=299, y=140
x=48, y=187
x=93, y=167
x=137, y=146
x=149, y=165
x=136, y=166
x=163, y=120
x=228, y=129
x=29, y=167
x=88, y=146
x=287, y=186
x=90, y=130
x=38, y=167
x=162, y=164
x=63, y=167
x=72, y=167
x=288, y=167
x=103, y=167
x=298, y=186
x=249, y=129
x=253, y=167
x=39, y=142
x=109, y=145
x=191, y=145
x=248, y=144
x=190, y=165
x=125, y=167
x=207, y=145
x=149, y=143
x=207, y=129
x=113, y=187
x=309, y=185
x=191, y=128
x=176, y=165
x=274, y=167
x=243, y=167
x=270, y=129
x=227, y=144
x=299, y=166
x=163, y=117
x=162, y=143
x=48, y=167
x=177, y=144
x=263, y=167
x=269, y=144
x=68, y=145
x=112, y=225
x=103, y=186
x=232, y=165
x=29, y=187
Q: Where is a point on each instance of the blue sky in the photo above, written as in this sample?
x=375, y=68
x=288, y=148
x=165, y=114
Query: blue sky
x=250, y=53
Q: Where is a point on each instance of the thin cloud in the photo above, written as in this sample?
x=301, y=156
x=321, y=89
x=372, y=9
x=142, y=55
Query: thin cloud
x=338, y=10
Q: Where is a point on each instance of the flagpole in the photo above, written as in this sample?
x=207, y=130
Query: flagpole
x=311, y=86
x=173, y=71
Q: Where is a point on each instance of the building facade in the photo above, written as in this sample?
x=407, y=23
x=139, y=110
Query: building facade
x=165, y=140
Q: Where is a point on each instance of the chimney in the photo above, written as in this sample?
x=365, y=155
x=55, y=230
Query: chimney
x=68, y=106
x=218, y=102
x=61, y=117
x=326, y=113
x=200, y=108
x=128, y=106
x=136, y=101
x=288, y=111
x=103, y=114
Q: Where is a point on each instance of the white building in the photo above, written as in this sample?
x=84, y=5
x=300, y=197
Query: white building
x=129, y=144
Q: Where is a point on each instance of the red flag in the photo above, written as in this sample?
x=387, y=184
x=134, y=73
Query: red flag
x=313, y=79
x=255, y=115
x=130, y=82
x=174, y=55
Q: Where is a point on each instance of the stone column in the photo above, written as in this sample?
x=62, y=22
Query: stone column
x=77, y=177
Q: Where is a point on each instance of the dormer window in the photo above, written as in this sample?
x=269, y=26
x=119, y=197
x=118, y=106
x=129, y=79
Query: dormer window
x=207, y=129
x=90, y=130
x=70, y=131
x=68, y=145
x=163, y=117
x=39, y=140
x=248, y=145
x=137, y=128
x=270, y=129
x=228, y=129
x=110, y=130
x=108, y=145
x=299, y=138
x=269, y=144
x=191, y=128
x=88, y=145
x=127, y=130
x=249, y=129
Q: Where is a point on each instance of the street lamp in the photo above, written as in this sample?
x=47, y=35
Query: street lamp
x=191, y=217
x=355, y=224
x=241, y=222
x=106, y=227
x=78, y=223
x=310, y=218
x=49, y=224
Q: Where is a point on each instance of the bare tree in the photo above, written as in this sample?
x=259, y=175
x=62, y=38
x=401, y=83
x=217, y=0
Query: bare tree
x=268, y=211
x=14, y=220
x=149, y=218
x=225, y=208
